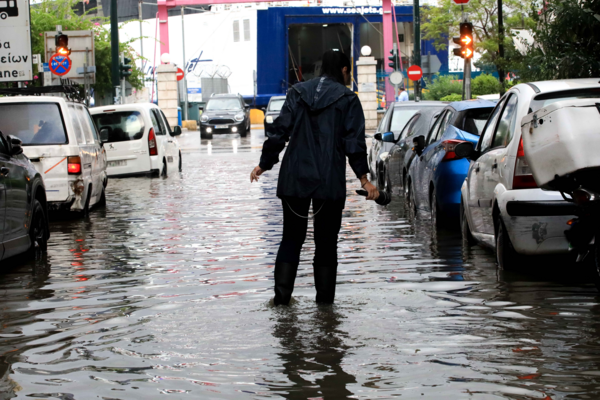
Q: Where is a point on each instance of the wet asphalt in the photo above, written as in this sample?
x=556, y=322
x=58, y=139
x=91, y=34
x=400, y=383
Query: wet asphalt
x=164, y=293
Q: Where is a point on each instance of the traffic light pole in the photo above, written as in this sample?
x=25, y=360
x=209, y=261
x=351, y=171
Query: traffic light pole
x=123, y=80
x=417, y=43
x=114, y=44
x=467, y=80
x=185, y=95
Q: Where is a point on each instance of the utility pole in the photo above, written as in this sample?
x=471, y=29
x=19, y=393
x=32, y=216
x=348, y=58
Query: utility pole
x=141, y=35
x=114, y=45
x=417, y=43
x=185, y=94
x=501, y=71
x=123, y=87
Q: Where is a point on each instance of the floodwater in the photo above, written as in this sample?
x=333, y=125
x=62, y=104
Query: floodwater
x=165, y=293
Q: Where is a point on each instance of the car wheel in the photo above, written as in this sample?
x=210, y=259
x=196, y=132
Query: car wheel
x=163, y=172
x=102, y=201
x=180, y=163
x=380, y=177
x=86, y=207
x=38, y=231
x=506, y=256
x=409, y=196
x=433, y=206
x=388, y=184
x=596, y=254
x=467, y=236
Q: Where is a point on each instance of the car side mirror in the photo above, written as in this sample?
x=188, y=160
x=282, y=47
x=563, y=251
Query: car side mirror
x=419, y=144
x=176, y=130
x=15, y=145
x=465, y=150
x=388, y=137
x=377, y=136
x=104, y=132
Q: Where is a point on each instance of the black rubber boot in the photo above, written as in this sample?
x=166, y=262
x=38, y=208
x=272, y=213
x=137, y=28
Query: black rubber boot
x=325, y=279
x=285, y=275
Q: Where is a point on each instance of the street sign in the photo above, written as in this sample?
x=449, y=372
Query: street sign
x=15, y=48
x=396, y=78
x=90, y=70
x=60, y=65
x=415, y=73
x=81, y=44
x=460, y=2
x=180, y=74
x=46, y=67
x=435, y=66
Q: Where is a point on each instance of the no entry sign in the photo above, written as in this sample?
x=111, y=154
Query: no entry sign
x=180, y=74
x=415, y=73
x=60, y=65
x=460, y=2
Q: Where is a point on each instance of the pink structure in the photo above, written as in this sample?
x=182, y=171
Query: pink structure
x=163, y=17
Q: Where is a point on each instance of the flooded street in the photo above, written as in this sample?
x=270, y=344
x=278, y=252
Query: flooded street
x=165, y=292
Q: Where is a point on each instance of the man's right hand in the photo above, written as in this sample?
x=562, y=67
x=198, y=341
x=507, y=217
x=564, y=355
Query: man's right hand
x=372, y=190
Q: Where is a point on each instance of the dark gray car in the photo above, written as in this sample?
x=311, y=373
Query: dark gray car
x=272, y=111
x=225, y=113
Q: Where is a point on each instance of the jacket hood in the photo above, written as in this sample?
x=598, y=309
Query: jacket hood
x=321, y=92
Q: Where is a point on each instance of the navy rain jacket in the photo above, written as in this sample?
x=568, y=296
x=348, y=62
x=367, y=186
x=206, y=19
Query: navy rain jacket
x=324, y=123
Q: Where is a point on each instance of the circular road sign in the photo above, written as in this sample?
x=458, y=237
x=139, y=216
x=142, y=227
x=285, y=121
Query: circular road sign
x=415, y=73
x=180, y=74
x=396, y=78
x=60, y=65
x=460, y=2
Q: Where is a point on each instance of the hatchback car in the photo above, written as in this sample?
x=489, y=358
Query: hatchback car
x=272, y=111
x=225, y=113
x=138, y=140
x=502, y=207
x=61, y=140
x=436, y=173
x=23, y=206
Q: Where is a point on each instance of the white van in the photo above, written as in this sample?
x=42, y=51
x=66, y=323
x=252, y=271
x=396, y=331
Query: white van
x=60, y=139
x=138, y=140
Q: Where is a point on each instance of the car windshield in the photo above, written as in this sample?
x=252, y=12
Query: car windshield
x=475, y=120
x=122, y=126
x=276, y=105
x=401, y=116
x=546, y=99
x=33, y=123
x=223, y=104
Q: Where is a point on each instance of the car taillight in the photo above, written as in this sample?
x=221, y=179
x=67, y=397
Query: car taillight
x=74, y=165
x=449, y=146
x=152, y=143
x=523, y=178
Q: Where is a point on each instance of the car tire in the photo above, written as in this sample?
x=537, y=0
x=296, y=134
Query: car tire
x=86, y=206
x=164, y=171
x=467, y=236
x=388, y=184
x=596, y=254
x=38, y=230
x=180, y=163
x=409, y=196
x=436, y=218
x=506, y=256
x=102, y=201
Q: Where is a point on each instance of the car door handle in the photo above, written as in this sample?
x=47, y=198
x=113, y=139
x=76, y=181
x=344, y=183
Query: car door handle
x=477, y=167
x=4, y=171
x=495, y=165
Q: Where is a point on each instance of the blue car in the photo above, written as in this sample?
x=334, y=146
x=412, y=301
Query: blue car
x=436, y=173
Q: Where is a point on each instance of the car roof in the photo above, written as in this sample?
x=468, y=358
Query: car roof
x=35, y=99
x=124, y=107
x=231, y=95
x=278, y=98
x=564, y=84
x=431, y=103
x=471, y=104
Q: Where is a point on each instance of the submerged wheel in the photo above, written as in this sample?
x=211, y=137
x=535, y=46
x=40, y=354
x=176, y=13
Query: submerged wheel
x=436, y=219
x=506, y=256
x=180, y=163
x=38, y=231
x=163, y=172
x=467, y=236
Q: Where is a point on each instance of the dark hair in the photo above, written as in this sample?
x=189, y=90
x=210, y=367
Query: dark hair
x=333, y=62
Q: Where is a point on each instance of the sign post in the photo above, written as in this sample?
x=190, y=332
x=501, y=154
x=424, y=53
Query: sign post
x=15, y=47
x=415, y=73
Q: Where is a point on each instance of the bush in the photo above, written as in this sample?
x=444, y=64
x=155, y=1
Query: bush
x=485, y=84
x=442, y=86
x=452, y=97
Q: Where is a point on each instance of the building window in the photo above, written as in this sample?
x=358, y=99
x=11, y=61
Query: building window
x=236, y=31
x=246, y=30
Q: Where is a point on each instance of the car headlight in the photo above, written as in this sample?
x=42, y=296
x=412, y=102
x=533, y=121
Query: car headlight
x=239, y=117
x=269, y=119
x=204, y=118
x=384, y=155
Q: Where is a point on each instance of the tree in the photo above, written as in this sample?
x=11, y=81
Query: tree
x=567, y=41
x=46, y=15
x=443, y=21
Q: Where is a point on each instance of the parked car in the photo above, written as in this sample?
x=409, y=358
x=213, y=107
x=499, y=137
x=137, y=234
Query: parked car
x=502, y=207
x=225, y=113
x=400, y=156
x=436, y=173
x=272, y=111
x=138, y=140
x=394, y=120
x=61, y=140
x=23, y=206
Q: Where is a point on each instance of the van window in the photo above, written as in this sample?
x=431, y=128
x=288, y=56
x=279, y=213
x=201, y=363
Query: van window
x=159, y=125
x=33, y=123
x=85, y=125
x=76, y=124
x=90, y=121
x=166, y=122
x=122, y=126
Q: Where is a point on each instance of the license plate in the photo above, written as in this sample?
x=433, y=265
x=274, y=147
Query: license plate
x=221, y=126
x=118, y=163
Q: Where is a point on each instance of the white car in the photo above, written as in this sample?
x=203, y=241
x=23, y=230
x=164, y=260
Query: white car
x=138, y=140
x=502, y=207
x=61, y=140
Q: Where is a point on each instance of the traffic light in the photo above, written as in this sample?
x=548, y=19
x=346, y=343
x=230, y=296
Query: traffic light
x=395, y=60
x=61, y=42
x=125, y=68
x=465, y=41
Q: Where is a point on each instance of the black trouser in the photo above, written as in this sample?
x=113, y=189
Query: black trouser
x=327, y=223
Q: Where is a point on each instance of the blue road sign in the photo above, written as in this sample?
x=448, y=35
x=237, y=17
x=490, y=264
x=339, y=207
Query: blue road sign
x=60, y=65
x=46, y=67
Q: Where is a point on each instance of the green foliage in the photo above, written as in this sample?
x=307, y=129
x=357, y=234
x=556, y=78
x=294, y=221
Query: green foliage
x=484, y=84
x=452, y=97
x=442, y=86
x=46, y=15
x=567, y=41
